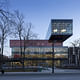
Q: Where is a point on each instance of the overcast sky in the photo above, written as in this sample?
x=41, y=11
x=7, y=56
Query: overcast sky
x=40, y=12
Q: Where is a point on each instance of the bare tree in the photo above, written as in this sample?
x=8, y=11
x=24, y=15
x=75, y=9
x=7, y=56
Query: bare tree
x=21, y=30
x=5, y=22
x=5, y=30
x=75, y=43
x=19, y=21
x=28, y=33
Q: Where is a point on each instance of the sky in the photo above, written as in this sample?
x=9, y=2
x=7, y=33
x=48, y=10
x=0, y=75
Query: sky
x=40, y=12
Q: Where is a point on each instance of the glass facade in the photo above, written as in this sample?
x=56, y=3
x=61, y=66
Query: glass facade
x=59, y=30
x=42, y=51
x=60, y=27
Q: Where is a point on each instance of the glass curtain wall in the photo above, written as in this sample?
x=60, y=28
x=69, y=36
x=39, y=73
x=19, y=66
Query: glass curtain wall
x=41, y=52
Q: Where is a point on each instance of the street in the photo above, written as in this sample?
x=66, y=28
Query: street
x=40, y=76
x=60, y=74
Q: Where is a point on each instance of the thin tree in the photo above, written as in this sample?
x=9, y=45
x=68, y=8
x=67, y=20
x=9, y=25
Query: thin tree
x=18, y=31
x=75, y=44
x=5, y=30
x=5, y=22
x=22, y=32
x=28, y=33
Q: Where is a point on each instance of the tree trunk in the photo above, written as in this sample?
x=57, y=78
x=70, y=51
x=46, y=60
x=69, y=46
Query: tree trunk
x=20, y=47
x=2, y=48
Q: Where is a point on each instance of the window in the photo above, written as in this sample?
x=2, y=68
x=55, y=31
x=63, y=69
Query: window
x=63, y=30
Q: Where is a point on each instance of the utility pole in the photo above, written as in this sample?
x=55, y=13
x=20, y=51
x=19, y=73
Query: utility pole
x=53, y=57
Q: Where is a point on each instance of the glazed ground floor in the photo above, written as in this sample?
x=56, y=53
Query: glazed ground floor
x=44, y=63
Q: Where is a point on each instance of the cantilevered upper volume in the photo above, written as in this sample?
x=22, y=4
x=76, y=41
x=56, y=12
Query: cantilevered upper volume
x=60, y=29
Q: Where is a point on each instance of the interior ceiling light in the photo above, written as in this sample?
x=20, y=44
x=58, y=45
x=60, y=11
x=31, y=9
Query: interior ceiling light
x=55, y=30
x=63, y=30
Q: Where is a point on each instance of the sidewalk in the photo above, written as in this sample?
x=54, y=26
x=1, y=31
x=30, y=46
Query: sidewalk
x=56, y=71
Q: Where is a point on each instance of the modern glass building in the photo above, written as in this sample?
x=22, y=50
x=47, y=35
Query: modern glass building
x=38, y=49
x=59, y=30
